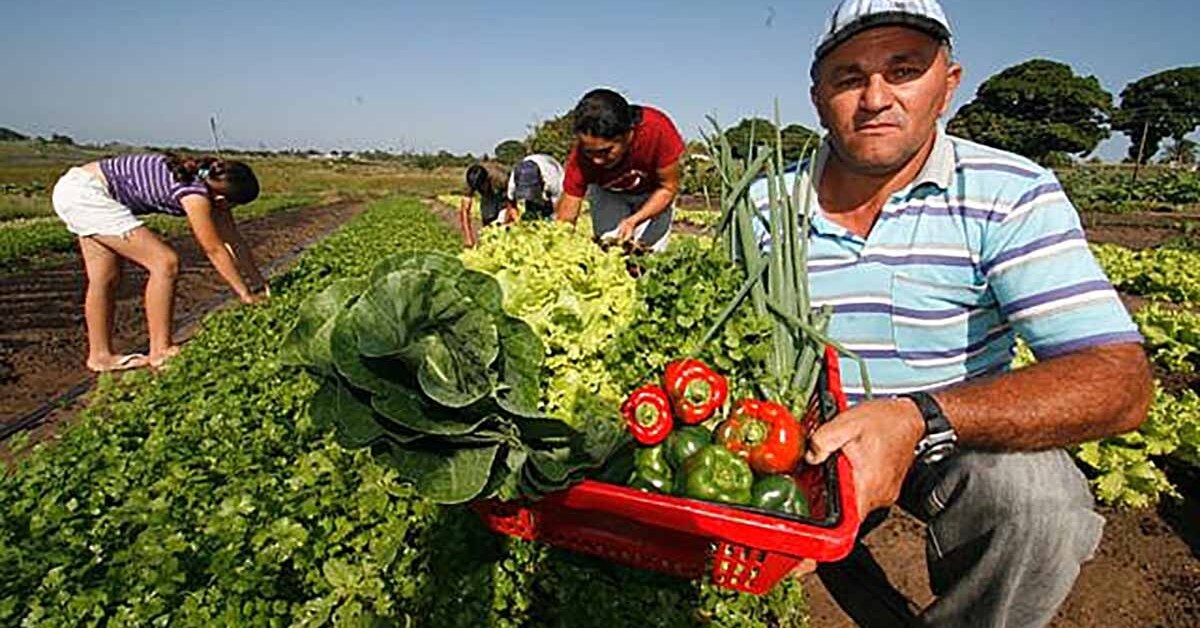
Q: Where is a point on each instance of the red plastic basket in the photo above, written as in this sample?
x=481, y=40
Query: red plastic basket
x=750, y=549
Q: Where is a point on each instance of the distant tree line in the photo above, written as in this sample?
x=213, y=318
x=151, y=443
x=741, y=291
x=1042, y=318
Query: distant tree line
x=1042, y=109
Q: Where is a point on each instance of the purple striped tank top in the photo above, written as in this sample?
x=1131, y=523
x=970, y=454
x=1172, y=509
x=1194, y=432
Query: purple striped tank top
x=145, y=185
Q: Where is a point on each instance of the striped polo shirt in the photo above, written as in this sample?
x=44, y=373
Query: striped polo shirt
x=145, y=185
x=983, y=246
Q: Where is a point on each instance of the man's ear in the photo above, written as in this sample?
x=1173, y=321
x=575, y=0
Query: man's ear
x=814, y=94
x=954, y=74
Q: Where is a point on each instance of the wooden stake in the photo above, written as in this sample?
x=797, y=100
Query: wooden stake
x=1137, y=165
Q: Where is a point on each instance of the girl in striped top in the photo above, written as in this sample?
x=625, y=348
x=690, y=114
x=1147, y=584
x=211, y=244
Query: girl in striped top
x=102, y=201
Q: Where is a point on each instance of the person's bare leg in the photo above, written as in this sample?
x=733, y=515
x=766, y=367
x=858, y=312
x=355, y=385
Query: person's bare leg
x=149, y=251
x=103, y=267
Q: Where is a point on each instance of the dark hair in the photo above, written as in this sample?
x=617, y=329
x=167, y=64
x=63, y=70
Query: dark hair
x=477, y=178
x=604, y=113
x=241, y=186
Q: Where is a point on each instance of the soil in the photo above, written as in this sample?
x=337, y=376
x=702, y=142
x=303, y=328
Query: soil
x=1139, y=230
x=43, y=342
x=1146, y=572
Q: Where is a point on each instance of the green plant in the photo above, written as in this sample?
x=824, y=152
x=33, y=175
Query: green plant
x=1172, y=336
x=576, y=296
x=204, y=495
x=679, y=297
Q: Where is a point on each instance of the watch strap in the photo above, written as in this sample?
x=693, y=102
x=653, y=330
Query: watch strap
x=939, y=438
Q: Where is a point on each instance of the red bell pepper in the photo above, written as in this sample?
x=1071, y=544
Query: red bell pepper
x=647, y=413
x=765, y=434
x=696, y=391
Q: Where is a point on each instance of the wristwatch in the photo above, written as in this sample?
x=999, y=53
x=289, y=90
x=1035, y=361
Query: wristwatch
x=939, y=440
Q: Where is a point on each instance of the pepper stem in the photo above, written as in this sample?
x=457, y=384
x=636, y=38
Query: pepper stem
x=646, y=414
x=697, y=391
x=754, y=432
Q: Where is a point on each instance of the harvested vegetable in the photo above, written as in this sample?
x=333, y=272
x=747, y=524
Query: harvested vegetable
x=696, y=390
x=647, y=413
x=421, y=363
x=779, y=493
x=765, y=434
x=685, y=441
x=574, y=295
x=715, y=474
x=651, y=471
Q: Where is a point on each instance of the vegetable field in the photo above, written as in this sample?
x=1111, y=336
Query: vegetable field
x=209, y=494
x=206, y=496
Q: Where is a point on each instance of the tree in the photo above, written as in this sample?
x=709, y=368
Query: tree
x=1037, y=108
x=62, y=139
x=509, y=151
x=1180, y=152
x=797, y=139
x=9, y=135
x=759, y=131
x=1162, y=105
x=553, y=137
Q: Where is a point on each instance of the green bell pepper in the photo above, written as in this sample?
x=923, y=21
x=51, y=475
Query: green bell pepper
x=685, y=441
x=715, y=474
x=779, y=493
x=650, y=470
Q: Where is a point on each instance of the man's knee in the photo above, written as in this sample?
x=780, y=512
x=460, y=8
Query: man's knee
x=1037, y=498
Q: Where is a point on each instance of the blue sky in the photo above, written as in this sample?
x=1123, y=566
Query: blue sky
x=464, y=74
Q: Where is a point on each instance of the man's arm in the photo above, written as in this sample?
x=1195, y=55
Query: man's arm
x=1066, y=400
x=659, y=201
x=1063, y=401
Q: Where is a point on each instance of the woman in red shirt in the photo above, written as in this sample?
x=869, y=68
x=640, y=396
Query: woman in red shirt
x=626, y=160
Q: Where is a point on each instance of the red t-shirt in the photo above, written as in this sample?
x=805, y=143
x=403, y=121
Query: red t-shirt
x=656, y=144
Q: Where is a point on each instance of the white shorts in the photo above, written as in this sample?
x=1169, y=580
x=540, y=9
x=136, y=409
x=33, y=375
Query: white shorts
x=82, y=201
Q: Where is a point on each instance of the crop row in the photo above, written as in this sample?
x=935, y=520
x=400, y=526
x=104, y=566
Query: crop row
x=202, y=495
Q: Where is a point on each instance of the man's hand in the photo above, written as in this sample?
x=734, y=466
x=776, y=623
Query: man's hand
x=253, y=299
x=625, y=229
x=878, y=438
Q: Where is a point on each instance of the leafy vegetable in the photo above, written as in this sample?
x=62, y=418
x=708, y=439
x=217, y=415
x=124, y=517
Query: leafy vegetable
x=205, y=496
x=574, y=295
x=424, y=366
x=679, y=298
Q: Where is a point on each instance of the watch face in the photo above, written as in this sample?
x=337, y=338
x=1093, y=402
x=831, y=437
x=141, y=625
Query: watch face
x=939, y=452
x=936, y=447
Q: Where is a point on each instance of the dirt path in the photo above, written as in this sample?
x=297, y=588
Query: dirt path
x=1139, y=230
x=42, y=336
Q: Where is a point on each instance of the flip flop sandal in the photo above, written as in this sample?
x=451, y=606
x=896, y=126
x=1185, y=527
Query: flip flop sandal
x=124, y=363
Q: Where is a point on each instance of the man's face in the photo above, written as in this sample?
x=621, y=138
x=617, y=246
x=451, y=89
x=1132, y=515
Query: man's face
x=601, y=152
x=880, y=95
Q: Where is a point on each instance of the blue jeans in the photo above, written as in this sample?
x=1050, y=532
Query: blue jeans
x=1006, y=534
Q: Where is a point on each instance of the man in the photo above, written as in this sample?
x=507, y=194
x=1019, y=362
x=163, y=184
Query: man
x=935, y=253
x=537, y=181
x=488, y=179
x=628, y=156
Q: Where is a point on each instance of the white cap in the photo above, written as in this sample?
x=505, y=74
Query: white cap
x=852, y=17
